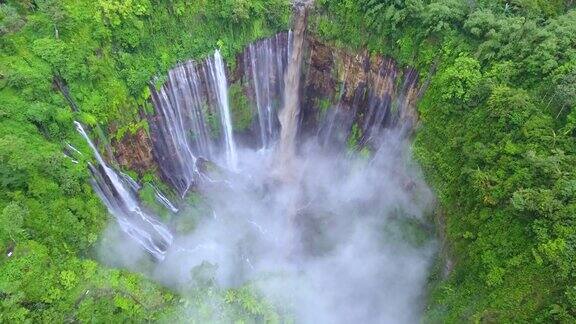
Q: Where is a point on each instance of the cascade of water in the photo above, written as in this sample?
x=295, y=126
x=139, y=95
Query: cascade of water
x=380, y=96
x=131, y=182
x=407, y=99
x=219, y=84
x=335, y=127
x=71, y=158
x=163, y=200
x=289, y=115
x=176, y=105
x=265, y=62
x=193, y=117
x=145, y=229
x=192, y=96
x=75, y=150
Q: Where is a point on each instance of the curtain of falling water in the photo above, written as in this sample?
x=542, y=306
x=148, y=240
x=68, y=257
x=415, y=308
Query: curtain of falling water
x=181, y=132
x=289, y=115
x=219, y=83
x=265, y=62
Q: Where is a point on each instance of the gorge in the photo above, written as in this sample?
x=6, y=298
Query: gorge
x=276, y=161
x=290, y=210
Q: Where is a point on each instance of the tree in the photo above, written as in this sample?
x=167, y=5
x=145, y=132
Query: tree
x=460, y=79
x=12, y=220
x=10, y=20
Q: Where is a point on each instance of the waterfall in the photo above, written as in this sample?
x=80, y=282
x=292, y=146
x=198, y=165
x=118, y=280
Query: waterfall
x=145, y=229
x=380, y=112
x=265, y=62
x=131, y=182
x=183, y=129
x=219, y=83
x=179, y=112
x=289, y=115
x=163, y=200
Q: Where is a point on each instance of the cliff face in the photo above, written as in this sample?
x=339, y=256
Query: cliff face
x=134, y=152
x=343, y=90
x=344, y=97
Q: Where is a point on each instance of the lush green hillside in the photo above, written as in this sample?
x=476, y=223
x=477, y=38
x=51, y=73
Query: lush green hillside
x=496, y=141
x=104, y=52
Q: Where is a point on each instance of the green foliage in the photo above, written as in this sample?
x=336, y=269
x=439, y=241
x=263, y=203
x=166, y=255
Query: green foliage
x=354, y=138
x=492, y=156
x=213, y=121
x=194, y=210
x=458, y=80
x=131, y=129
x=250, y=303
x=323, y=105
x=241, y=109
x=148, y=199
x=12, y=217
x=10, y=20
x=40, y=288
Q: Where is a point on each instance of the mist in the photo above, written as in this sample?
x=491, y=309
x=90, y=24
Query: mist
x=327, y=244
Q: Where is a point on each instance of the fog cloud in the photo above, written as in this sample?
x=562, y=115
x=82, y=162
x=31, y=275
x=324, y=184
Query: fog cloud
x=329, y=245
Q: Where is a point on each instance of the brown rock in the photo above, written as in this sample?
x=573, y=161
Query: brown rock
x=134, y=152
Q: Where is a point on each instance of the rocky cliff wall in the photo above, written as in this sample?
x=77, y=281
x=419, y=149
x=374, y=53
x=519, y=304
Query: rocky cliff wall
x=345, y=97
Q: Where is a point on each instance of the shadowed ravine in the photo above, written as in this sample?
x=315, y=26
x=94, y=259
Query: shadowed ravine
x=324, y=232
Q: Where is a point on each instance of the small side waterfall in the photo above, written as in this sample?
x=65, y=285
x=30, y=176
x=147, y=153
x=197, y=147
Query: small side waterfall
x=131, y=182
x=163, y=200
x=373, y=96
x=145, y=229
x=192, y=120
x=391, y=95
x=265, y=63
